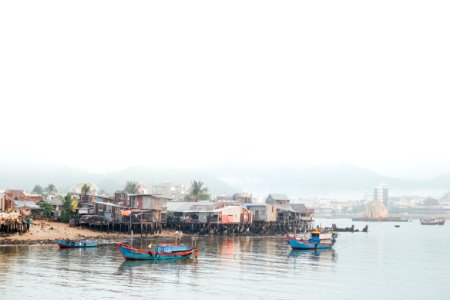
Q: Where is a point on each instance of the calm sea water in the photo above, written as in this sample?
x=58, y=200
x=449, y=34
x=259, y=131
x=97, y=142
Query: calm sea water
x=410, y=262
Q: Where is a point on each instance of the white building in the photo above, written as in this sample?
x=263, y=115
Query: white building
x=170, y=190
x=381, y=193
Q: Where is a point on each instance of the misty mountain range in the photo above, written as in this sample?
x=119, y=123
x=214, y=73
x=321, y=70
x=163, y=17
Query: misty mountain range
x=343, y=180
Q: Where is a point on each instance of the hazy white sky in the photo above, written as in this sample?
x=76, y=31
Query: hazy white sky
x=107, y=84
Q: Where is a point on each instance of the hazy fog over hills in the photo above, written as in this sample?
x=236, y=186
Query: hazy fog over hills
x=253, y=95
x=341, y=180
x=338, y=180
x=26, y=176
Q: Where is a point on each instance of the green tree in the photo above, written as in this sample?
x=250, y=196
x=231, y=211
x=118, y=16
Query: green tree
x=38, y=190
x=85, y=189
x=197, y=192
x=47, y=208
x=66, y=211
x=131, y=187
x=50, y=189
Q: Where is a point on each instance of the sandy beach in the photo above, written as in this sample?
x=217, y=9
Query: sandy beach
x=43, y=232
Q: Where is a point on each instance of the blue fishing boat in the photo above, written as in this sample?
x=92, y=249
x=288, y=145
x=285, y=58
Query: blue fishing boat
x=318, y=240
x=79, y=244
x=157, y=252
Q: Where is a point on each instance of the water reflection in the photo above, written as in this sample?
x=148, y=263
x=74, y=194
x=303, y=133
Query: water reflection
x=227, y=249
x=147, y=264
x=237, y=268
x=315, y=255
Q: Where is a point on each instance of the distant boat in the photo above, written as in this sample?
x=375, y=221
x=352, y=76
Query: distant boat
x=319, y=240
x=397, y=226
x=73, y=244
x=157, y=252
x=432, y=221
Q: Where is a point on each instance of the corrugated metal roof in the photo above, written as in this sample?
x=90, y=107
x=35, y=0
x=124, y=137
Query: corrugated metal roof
x=206, y=208
x=227, y=207
x=278, y=196
x=254, y=205
x=189, y=206
x=299, y=207
x=55, y=201
x=22, y=203
x=178, y=206
x=285, y=208
x=110, y=204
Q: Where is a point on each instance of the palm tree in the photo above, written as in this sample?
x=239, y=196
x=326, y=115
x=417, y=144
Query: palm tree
x=197, y=192
x=131, y=187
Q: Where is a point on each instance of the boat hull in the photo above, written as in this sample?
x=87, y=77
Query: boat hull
x=307, y=245
x=432, y=222
x=80, y=244
x=165, y=252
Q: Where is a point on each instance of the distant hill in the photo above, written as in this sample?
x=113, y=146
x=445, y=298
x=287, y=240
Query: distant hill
x=335, y=180
x=26, y=177
x=343, y=180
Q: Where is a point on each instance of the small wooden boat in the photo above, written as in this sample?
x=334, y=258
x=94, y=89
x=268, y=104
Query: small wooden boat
x=319, y=240
x=432, y=221
x=157, y=252
x=73, y=244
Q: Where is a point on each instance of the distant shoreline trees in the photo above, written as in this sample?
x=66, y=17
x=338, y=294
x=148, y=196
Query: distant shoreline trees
x=45, y=192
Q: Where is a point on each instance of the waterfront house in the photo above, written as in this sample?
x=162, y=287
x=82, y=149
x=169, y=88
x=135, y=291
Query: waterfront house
x=109, y=211
x=277, y=199
x=57, y=204
x=36, y=210
x=242, y=198
x=302, y=212
x=234, y=215
x=11, y=195
x=285, y=213
x=263, y=212
x=200, y=212
x=121, y=198
x=206, y=212
x=87, y=203
x=152, y=205
x=148, y=201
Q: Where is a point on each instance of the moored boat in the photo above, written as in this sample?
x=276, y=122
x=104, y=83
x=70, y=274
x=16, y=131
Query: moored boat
x=157, y=252
x=319, y=240
x=296, y=236
x=74, y=244
x=432, y=221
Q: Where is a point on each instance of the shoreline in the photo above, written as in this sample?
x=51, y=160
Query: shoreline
x=42, y=232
